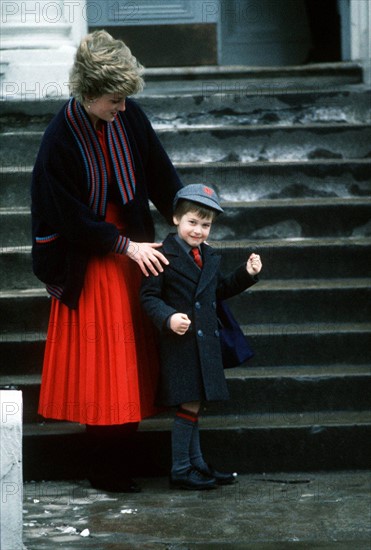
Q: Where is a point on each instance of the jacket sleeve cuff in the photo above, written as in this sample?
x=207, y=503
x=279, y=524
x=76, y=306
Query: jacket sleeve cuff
x=121, y=245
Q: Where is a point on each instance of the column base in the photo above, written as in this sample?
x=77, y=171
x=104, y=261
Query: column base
x=11, y=481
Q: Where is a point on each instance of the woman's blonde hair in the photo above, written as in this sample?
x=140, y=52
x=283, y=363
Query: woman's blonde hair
x=104, y=65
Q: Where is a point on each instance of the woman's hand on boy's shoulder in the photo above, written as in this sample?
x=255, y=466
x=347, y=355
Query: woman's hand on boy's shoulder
x=254, y=264
x=149, y=259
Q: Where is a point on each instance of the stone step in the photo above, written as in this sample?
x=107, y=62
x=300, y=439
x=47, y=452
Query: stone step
x=306, y=343
x=259, y=391
x=299, y=389
x=228, y=82
x=262, y=180
x=19, y=148
x=289, y=219
x=345, y=105
x=239, y=181
x=264, y=219
x=277, y=442
x=301, y=258
x=244, y=80
x=338, y=258
x=15, y=186
x=229, y=143
x=24, y=310
x=289, y=344
x=272, y=301
x=311, y=301
x=266, y=143
x=243, y=443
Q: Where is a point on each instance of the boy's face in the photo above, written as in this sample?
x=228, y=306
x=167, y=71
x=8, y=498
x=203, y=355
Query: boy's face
x=193, y=229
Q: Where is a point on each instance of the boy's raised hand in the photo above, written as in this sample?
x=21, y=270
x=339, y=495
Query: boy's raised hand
x=179, y=323
x=254, y=264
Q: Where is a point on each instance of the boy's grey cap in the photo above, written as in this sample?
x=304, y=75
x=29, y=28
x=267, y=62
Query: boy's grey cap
x=200, y=193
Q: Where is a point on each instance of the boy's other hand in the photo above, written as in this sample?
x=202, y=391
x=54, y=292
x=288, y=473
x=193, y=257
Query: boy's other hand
x=254, y=265
x=179, y=323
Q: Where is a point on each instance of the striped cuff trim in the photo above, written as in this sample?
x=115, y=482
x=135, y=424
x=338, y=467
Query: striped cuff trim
x=121, y=245
x=47, y=239
x=55, y=291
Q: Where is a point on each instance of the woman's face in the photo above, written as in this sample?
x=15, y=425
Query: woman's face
x=105, y=107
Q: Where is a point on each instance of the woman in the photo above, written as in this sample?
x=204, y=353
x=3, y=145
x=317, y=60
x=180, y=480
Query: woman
x=98, y=165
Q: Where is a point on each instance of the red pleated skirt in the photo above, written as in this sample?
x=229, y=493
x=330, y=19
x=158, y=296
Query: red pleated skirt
x=101, y=361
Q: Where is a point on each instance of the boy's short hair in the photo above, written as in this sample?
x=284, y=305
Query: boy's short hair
x=184, y=206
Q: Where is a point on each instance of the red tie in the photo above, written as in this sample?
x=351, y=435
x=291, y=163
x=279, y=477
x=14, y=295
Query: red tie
x=197, y=257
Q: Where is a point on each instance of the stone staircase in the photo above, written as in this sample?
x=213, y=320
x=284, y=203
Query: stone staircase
x=289, y=152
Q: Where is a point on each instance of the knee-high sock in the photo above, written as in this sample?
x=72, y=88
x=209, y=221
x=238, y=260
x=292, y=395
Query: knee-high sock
x=181, y=440
x=195, y=453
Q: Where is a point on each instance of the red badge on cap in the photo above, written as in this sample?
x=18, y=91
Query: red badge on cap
x=208, y=190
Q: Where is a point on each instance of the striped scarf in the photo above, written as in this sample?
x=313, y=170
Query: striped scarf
x=92, y=154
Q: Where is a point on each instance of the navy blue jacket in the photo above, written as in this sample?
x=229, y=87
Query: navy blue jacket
x=191, y=364
x=65, y=231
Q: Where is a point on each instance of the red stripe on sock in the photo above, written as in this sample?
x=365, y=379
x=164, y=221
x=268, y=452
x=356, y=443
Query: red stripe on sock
x=187, y=415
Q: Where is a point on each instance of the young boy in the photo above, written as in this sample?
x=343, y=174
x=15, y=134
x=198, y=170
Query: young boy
x=181, y=301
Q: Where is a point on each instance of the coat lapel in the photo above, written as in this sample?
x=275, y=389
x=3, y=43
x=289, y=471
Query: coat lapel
x=211, y=263
x=180, y=262
x=184, y=264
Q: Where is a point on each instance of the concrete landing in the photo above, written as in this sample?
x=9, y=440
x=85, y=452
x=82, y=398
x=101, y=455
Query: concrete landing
x=263, y=511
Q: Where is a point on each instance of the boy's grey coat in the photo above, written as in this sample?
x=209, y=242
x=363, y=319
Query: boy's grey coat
x=191, y=365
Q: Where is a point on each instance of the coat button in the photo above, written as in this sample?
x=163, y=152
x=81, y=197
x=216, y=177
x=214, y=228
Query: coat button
x=200, y=333
x=214, y=305
x=217, y=333
x=197, y=305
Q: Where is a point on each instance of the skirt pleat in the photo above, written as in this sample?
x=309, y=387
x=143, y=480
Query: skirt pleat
x=101, y=363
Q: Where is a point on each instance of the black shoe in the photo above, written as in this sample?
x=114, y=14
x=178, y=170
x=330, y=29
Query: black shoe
x=192, y=479
x=221, y=478
x=110, y=485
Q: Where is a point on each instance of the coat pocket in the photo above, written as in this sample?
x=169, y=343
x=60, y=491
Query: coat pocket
x=49, y=258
